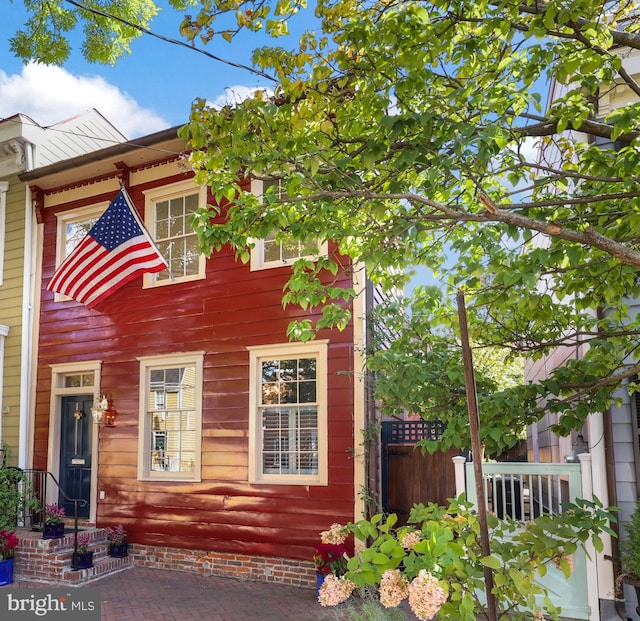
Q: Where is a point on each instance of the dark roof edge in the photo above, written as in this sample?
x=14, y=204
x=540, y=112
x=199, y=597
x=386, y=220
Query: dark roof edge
x=102, y=154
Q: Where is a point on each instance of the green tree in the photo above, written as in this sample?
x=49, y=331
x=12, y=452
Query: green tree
x=405, y=132
x=419, y=369
x=108, y=27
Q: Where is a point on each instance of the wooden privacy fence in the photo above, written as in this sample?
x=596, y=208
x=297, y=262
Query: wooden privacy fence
x=524, y=491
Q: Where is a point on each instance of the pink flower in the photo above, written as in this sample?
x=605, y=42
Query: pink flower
x=410, y=539
x=116, y=536
x=53, y=514
x=394, y=587
x=337, y=534
x=335, y=590
x=83, y=542
x=426, y=596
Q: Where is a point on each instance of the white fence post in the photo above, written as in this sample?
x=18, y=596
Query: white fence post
x=458, y=465
x=592, y=572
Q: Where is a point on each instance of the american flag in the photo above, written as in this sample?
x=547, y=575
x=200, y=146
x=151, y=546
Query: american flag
x=115, y=250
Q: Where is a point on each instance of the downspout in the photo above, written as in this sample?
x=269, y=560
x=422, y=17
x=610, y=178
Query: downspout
x=27, y=321
x=372, y=420
x=613, y=501
x=4, y=331
x=360, y=414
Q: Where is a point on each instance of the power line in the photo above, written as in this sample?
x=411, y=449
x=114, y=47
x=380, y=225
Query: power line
x=174, y=41
x=110, y=141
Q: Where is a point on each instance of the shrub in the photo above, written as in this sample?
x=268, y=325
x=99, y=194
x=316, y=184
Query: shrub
x=631, y=548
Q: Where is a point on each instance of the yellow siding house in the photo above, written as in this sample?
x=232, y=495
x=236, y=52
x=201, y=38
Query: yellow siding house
x=25, y=145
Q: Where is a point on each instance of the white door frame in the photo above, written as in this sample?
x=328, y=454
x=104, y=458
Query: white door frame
x=58, y=390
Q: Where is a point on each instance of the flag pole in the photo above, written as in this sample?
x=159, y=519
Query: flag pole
x=134, y=211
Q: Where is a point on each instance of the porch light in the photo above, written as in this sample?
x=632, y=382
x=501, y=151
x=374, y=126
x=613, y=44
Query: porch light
x=103, y=411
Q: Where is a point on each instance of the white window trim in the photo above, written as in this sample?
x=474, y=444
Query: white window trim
x=4, y=189
x=167, y=192
x=144, y=438
x=318, y=349
x=257, y=250
x=62, y=220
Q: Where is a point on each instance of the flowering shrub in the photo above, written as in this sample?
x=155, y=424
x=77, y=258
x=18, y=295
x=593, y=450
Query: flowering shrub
x=426, y=596
x=437, y=565
x=116, y=536
x=53, y=514
x=83, y=542
x=8, y=543
x=335, y=590
x=394, y=587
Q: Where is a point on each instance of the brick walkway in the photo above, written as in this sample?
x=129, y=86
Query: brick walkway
x=142, y=594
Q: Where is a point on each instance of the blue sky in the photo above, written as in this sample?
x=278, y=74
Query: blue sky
x=149, y=90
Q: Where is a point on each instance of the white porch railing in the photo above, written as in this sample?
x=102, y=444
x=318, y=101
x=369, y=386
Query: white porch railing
x=524, y=491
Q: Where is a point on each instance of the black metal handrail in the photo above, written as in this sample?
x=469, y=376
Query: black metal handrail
x=35, y=487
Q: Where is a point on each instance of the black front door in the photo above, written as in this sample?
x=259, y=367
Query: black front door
x=75, y=453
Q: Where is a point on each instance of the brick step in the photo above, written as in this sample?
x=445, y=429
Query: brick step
x=102, y=566
x=49, y=560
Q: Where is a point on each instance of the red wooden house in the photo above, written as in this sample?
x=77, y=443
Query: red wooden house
x=232, y=447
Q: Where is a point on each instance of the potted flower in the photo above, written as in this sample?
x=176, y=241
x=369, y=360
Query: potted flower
x=117, y=539
x=53, y=524
x=331, y=555
x=82, y=557
x=8, y=543
x=330, y=558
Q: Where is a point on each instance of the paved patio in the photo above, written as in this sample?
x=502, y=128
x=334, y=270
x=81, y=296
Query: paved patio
x=142, y=594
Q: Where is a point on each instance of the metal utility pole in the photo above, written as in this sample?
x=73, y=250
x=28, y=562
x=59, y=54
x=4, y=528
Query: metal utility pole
x=476, y=451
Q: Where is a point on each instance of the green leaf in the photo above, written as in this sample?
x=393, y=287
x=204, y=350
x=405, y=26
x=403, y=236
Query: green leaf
x=491, y=561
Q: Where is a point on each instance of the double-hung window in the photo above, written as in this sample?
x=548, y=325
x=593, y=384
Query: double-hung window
x=72, y=227
x=167, y=213
x=271, y=252
x=170, y=417
x=288, y=414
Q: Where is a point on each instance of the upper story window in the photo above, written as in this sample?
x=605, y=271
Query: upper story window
x=270, y=252
x=72, y=227
x=288, y=414
x=167, y=212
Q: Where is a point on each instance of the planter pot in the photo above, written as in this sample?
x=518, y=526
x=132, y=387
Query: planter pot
x=53, y=531
x=319, y=583
x=6, y=571
x=119, y=550
x=82, y=560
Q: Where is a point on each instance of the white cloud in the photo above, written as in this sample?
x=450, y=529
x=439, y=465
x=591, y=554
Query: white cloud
x=51, y=94
x=235, y=94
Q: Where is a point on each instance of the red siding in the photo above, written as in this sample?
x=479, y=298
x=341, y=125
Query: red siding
x=232, y=309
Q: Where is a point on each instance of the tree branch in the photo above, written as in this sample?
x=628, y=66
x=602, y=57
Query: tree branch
x=193, y=48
